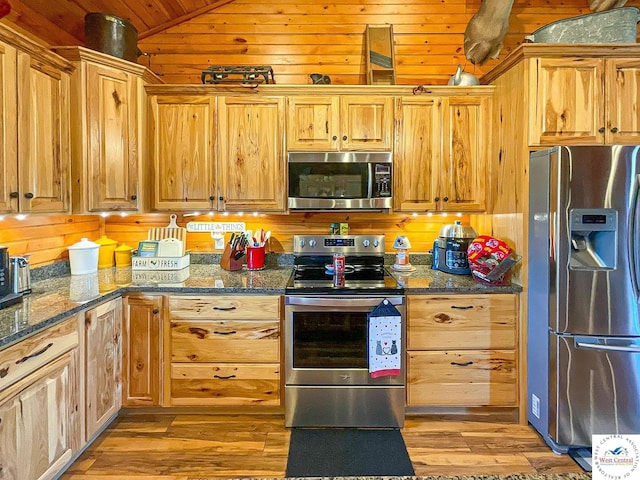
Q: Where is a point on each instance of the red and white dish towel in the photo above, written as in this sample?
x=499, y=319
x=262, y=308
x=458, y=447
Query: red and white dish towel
x=385, y=344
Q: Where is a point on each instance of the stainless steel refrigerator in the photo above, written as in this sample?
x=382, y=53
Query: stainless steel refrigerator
x=584, y=291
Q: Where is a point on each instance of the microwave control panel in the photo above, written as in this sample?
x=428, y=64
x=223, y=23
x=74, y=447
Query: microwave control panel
x=382, y=185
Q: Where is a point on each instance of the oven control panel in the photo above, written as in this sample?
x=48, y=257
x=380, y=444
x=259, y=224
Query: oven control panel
x=347, y=244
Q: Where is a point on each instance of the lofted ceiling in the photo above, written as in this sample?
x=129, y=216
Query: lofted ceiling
x=61, y=22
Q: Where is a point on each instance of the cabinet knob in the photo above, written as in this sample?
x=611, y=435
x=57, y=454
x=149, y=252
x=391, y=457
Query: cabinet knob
x=446, y=199
x=28, y=195
x=614, y=130
x=344, y=138
x=211, y=198
x=221, y=198
x=156, y=311
x=335, y=137
x=437, y=199
x=14, y=195
x=601, y=130
x=134, y=197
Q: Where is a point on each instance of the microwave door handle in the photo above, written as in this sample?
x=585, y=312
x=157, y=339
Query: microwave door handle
x=370, y=180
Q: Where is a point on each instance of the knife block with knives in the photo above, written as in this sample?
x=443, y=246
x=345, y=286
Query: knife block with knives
x=233, y=252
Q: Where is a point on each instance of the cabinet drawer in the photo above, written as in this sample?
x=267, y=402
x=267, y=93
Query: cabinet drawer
x=225, y=340
x=225, y=385
x=462, y=321
x=25, y=357
x=462, y=378
x=222, y=307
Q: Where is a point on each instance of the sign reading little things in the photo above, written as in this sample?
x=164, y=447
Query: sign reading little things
x=385, y=340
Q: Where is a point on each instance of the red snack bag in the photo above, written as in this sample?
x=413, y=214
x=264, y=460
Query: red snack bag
x=485, y=253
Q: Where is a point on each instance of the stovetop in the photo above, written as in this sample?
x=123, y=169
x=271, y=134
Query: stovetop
x=315, y=275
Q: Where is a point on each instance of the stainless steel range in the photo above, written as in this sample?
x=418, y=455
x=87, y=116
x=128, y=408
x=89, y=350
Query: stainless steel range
x=327, y=379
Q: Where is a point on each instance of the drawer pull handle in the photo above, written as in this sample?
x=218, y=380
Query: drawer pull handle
x=34, y=354
x=224, y=309
x=465, y=364
x=466, y=307
x=224, y=333
x=4, y=372
x=223, y=377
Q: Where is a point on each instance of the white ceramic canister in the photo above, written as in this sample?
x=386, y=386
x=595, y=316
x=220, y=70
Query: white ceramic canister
x=83, y=257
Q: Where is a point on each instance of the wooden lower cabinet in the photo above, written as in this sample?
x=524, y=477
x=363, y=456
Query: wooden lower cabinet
x=40, y=427
x=462, y=350
x=225, y=384
x=142, y=352
x=103, y=353
x=223, y=351
x=462, y=378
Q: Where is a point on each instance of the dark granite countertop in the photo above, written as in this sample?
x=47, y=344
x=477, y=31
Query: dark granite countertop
x=57, y=298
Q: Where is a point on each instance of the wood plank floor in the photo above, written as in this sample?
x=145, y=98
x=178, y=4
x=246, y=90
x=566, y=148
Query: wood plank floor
x=196, y=447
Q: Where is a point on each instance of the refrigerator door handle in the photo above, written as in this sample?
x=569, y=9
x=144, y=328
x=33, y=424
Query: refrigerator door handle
x=610, y=348
x=634, y=237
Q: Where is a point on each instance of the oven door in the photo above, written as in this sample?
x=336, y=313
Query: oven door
x=326, y=340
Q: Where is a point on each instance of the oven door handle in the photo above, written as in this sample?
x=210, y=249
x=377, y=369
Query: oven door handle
x=334, y=300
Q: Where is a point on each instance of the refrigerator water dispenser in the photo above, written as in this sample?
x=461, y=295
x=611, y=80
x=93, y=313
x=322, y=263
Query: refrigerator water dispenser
x=594, y=239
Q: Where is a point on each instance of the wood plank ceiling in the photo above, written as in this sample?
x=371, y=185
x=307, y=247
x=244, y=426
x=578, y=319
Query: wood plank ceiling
x=61, y=22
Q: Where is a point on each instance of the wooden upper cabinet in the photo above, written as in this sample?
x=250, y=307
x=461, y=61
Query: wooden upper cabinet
x=441, y=153
x=466, y=139
x=312, y=123
x=108, y=114
x=336, y=123
x=578, y=101
x=567, y=95
x=622, y=100
x=34, y=120
x=8, y=127
x=366, y=122
x=112, y=118
x=418, y=152
x=251, y=154
x=182, y=133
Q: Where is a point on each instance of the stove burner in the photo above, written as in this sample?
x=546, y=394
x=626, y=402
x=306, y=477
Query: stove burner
x=238, y=74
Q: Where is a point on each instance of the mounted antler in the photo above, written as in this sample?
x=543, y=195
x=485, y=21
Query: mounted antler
x=486, y=30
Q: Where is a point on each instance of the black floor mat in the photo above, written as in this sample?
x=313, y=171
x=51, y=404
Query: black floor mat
x=582, y=456
x=347, y=452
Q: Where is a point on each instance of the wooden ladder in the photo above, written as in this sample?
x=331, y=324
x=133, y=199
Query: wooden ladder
x=379, y=56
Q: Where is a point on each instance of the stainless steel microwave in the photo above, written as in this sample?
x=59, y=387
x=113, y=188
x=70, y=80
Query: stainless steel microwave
x=340, y=180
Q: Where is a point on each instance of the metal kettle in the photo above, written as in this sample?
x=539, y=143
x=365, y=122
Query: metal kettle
x=463, y=79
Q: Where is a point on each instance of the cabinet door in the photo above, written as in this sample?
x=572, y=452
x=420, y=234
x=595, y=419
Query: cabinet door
x=566, y=101
x=366, y=122
x=251, y=155
x=112, y=162
x=183, y=145
x=465, y=146
x=142, y=352
x=9, y=132
x=312, y=123
x=43, y=136
x=622, y=103
x=34, y=426
x=103, y=326
x=417, y=154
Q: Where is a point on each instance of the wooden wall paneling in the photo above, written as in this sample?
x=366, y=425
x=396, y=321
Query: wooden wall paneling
x=46, y=237
x=421, y=229
x=294, y=38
